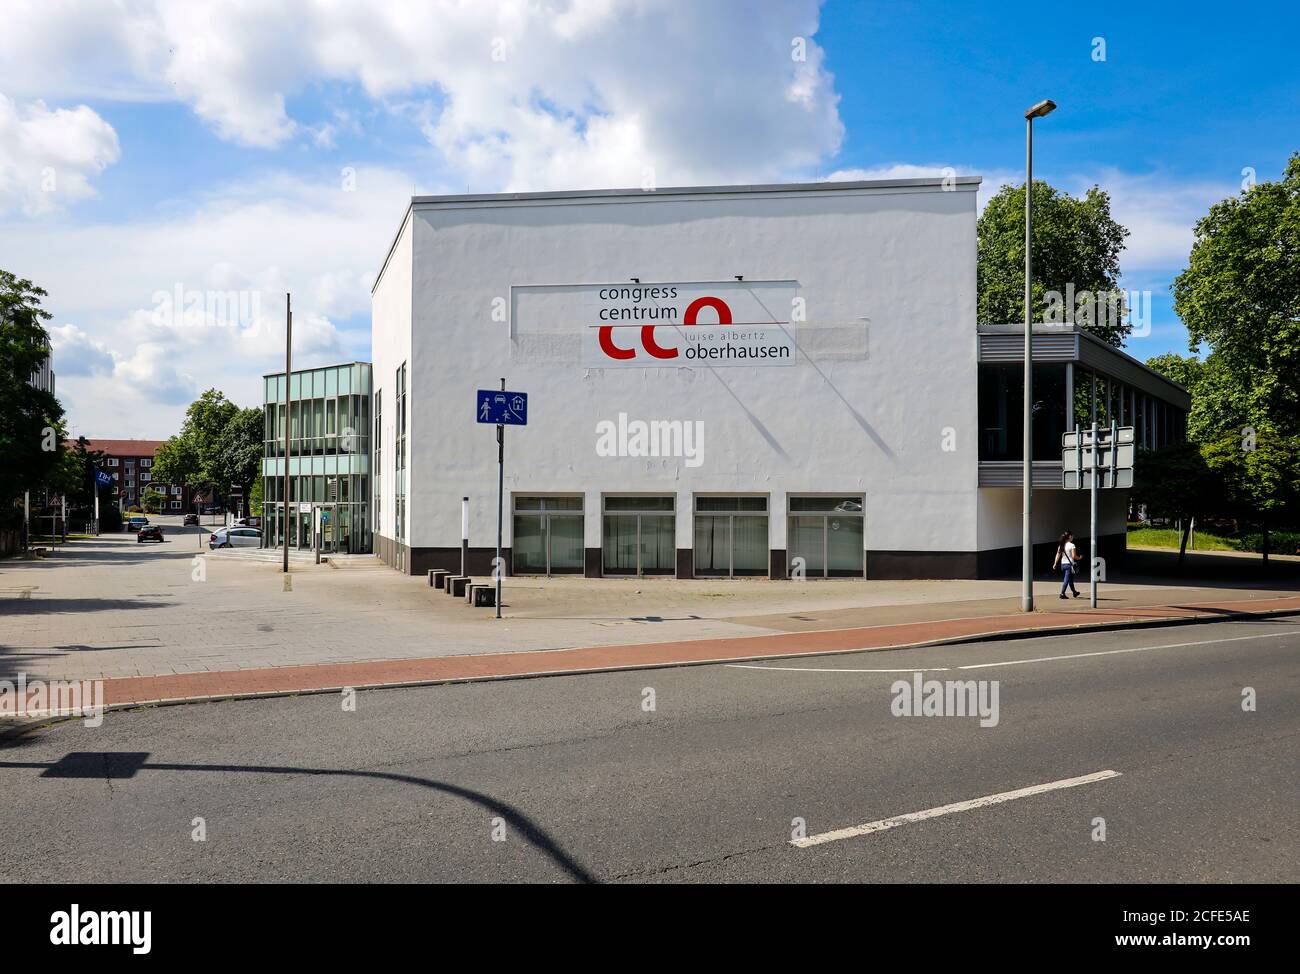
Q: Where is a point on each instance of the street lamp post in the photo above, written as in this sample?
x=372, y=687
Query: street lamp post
x=1043, y=108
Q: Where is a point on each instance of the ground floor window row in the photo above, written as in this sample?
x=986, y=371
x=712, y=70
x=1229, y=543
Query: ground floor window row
x=731, y=535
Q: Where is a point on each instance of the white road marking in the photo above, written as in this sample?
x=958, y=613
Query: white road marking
x=1004, y=796
x=835, y=669
x=1135, y=649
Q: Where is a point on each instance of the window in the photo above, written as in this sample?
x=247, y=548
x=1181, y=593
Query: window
x=1001, y=411
x=378, y=497
x=399, y=456
x=146, y=477
x=111, y=462
x=825, y=536
x=731, y=536
x=146, y=462
x=176, y=492
x=547, y=536
x=639, y=536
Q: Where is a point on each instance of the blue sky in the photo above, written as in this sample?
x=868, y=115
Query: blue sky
x=203, y=147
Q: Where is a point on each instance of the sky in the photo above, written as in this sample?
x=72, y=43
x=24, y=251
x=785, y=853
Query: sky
x=170, y=168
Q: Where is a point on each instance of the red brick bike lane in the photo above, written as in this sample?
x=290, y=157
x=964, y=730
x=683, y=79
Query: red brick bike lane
x=326, y=677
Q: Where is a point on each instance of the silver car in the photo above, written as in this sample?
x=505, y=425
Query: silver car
x=235, y=538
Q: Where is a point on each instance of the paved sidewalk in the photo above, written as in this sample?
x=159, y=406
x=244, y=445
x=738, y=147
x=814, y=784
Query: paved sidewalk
x=113, y=610
x=443, y=669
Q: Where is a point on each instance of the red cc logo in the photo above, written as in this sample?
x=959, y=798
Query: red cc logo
x=648, y=331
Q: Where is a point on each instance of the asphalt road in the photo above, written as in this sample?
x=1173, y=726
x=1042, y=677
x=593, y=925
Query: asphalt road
x=582, y=782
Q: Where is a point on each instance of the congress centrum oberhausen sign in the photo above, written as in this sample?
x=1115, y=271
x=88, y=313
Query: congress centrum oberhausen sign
x=676, y=324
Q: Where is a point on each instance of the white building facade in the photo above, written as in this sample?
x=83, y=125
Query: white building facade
x=722, y=381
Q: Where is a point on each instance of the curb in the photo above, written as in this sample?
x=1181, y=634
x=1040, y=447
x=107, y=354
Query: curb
x=1009, y=634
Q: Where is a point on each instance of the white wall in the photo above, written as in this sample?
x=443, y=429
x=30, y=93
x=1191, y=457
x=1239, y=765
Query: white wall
x=1054, y=511
x=858, y=418
x=390, y=341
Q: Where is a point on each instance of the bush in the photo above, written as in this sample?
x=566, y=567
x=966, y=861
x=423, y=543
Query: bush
x=1279, y=542
x=110, y=519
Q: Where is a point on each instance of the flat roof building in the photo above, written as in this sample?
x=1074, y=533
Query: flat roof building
x=723, y=381
x=329, y=459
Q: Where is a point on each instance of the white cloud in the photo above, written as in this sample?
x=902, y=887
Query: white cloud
x=1160, y=213
x=167, y=307
x=77, y=353
x=993, y=180
x=515, y=95
x=49, y=156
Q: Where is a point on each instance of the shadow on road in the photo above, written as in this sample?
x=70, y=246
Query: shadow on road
x=102, y=765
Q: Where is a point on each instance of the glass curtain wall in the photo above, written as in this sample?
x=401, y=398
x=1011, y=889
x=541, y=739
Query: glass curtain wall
x=825, y=536
x=639, y=536
x=547, y=538
x=329, y=468
x=731, y=536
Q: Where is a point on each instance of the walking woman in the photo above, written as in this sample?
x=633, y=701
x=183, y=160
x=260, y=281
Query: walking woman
x=1067, y=558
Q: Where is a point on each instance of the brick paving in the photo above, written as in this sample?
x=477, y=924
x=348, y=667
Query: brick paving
x=167, y=622
x=440, y=669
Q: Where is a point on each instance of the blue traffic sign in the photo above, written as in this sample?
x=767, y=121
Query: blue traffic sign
x=502, y=408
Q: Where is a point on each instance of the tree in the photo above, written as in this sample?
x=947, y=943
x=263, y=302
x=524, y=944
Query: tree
x=1260, y=471
x=31, y=419
x=153, y=501
x=1240, y=294
x=240, y=447
x=177, y=463
x=255, y=498
x=1177, y=482
x=219, y=447
x=1076, y=250
x=1219, y=402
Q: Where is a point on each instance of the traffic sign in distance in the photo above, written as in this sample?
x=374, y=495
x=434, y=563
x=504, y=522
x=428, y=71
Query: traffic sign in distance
x=1121, y=479
x=1124, y=456
x=502, y=408
x=1074, y=438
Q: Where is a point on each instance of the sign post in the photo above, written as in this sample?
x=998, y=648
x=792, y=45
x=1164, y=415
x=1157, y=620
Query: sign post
x=503, y=409
x=101, y=480
x=464, y=533
x=1093, y=473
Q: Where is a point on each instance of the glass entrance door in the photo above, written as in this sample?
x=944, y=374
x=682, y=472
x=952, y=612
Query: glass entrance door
x=328, y=525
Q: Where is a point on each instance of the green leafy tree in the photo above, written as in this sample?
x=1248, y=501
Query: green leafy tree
x=31, y=419
x=1076, y=248
x=153, y=501
x=240, y=448
x=1219, y=401
x=177, y=463
x=255, y=497
x=218, y=447
x=1260, y=471
x=1177, y=482
x=1240, y=294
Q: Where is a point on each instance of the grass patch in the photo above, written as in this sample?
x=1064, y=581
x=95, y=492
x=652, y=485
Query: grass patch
x=1168, y=538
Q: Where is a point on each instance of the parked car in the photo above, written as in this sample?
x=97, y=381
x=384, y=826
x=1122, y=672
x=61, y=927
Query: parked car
x=135, y=522
x=248, y=522
x=150, y=532
x=235, y=538
x=190, y=519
